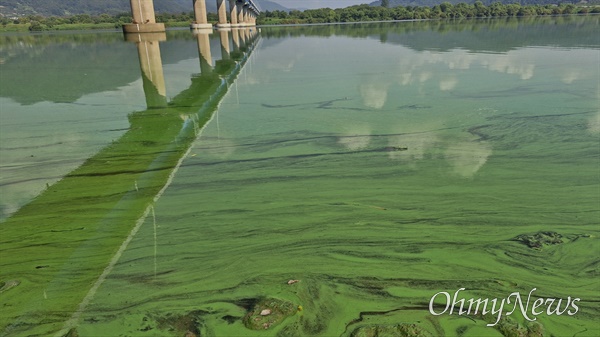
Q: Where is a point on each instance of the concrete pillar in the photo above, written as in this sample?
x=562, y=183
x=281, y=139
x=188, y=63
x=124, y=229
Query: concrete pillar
x=206, y=64
x=225, y=51
x=143, y=11
x=240, y=7
x=222, y=11
x=144, y=20
x=200, y=15
x=246, y=16
x=233, y=13
x=153, y=78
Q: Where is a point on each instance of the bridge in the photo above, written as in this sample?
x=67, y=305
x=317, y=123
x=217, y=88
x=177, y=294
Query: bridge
x=241, y=13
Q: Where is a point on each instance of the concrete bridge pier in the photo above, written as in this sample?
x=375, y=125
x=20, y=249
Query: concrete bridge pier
x=247, y=16
x=240, y=12
x=200, y=16
x=233, y=14
x=144, y=20
x=222, y=11
x=252, y=19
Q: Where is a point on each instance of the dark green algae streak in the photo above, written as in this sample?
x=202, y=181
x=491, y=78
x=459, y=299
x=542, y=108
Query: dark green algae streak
x=366, y=263
x=55, y=247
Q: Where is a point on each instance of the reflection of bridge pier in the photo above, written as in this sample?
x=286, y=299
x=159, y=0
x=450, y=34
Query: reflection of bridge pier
x=242, y=39
x=151, y=62
x=151, y=65
x=110, y=194
x=242, y=36
x=225, y=49
x=204, y=50
x=235, y=36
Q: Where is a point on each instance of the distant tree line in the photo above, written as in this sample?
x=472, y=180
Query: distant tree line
x=41, y=23
x=92, y=7
x=431, y=3
x=358, y=13
x=441, y=11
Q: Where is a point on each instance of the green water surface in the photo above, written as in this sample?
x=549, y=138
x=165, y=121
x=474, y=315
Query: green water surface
x=374, y=165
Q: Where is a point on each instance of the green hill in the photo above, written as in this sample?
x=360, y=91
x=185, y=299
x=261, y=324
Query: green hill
x=70, y=7
x=93, y=7
x=430, y=3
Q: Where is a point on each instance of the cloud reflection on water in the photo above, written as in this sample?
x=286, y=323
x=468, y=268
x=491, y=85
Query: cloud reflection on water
x=467, y=157
x=374, y=92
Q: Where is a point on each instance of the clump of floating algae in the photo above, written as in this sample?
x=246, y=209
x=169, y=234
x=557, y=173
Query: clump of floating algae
x=188, y=325
x=6, y=285
x=508, y=327
x=395, y=330
x=268, y=312
x=540, y=239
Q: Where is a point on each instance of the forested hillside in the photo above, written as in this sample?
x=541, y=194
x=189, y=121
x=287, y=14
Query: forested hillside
x=69, y=7
x=431, y=3
x=95, y=7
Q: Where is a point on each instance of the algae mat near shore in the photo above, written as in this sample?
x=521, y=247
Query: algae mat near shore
x=346, y=181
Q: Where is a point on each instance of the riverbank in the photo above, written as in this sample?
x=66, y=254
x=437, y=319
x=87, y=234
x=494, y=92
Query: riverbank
x=25, y=27
x=352, y=14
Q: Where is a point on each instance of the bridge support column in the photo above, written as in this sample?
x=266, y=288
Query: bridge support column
x=233, y=13
x=222, y=10
x=240, y=7
x=200, y=16
x=144, y=20
x=248, y=17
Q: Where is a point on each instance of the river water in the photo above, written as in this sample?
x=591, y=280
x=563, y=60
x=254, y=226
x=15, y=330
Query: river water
x=337, y=176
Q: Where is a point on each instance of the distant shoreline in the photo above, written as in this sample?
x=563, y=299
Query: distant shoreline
x=24, y=27
x=116, y=26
